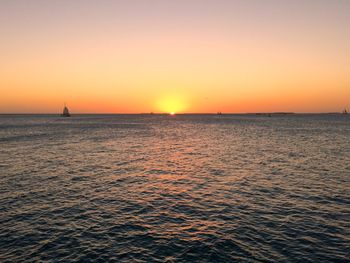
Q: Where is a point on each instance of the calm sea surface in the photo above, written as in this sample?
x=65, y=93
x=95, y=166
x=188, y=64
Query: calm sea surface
x=190, y=188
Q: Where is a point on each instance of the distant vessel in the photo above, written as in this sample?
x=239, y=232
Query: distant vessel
x=345, y=111
x=219, y=113
x=65, y=112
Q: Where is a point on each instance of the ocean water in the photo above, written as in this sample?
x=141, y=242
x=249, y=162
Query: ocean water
x=187, y=188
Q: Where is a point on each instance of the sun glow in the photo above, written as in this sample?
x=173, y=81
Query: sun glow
x=172, y=104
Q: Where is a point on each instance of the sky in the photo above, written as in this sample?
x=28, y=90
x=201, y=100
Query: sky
x=194, y=56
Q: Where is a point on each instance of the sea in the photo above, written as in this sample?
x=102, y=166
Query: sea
x=183, y=188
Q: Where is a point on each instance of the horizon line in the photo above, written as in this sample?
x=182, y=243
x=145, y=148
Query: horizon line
x=167, y=113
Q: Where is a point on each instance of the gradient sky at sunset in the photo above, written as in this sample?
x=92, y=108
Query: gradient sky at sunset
x=134, y=56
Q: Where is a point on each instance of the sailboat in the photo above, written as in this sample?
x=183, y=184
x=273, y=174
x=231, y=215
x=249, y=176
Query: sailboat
x=345, y=111
x=65, y=112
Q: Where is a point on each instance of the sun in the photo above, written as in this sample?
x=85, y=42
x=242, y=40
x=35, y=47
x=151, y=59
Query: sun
x=171, y=104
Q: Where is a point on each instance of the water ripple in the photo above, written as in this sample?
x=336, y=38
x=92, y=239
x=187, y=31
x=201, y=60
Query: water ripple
x=197, y=188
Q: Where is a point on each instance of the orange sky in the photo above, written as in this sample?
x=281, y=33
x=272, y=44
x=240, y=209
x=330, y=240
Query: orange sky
x=188, y=56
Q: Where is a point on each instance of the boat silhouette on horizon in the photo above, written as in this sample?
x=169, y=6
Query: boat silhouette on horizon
x=65, y=112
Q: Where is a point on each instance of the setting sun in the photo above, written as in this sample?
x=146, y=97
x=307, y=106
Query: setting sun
x=172, y=104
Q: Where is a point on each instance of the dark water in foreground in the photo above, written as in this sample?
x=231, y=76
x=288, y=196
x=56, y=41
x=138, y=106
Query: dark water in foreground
x=202, y=188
